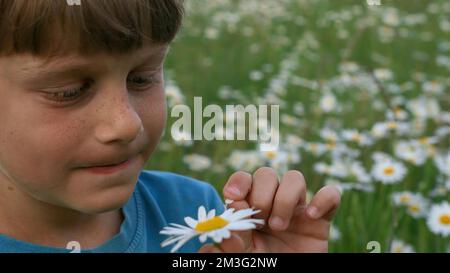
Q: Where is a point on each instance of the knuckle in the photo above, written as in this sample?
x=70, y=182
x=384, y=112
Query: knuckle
x=261, y=205
x=282, y=206
x=265, y=171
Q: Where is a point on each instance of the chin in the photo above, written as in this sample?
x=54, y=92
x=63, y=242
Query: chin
x=112, y=199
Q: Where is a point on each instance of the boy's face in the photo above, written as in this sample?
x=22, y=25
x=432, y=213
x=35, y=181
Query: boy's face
x=59, y=117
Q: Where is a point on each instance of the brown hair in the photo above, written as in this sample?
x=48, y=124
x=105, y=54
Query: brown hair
x=50, y=27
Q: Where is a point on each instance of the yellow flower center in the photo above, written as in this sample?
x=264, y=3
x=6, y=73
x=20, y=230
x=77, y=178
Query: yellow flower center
x=389, y=170
x=392, y=125
x=398, y=249
x=356, y=138
x=405, y=199
x=331, y=145
x=271, y=154
x=445, y=219
x=423, y=140
x=211, y=224
x=414, y=208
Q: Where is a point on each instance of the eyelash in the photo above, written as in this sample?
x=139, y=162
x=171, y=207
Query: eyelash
x=75, y=93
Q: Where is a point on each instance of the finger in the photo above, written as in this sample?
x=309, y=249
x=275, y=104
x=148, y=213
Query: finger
x=325, y=203
x=291, y=192
x=238, y=186
x=209, y=249
x=264, y=187
x=234, y=244
x=246, y=236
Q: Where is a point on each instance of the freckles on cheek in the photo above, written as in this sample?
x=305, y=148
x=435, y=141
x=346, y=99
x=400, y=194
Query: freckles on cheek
x=46, y=149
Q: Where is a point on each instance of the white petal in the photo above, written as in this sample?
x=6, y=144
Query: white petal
x=180, y=243
x=241, y=226
x=211, y=214
x=217, y=239
x=173, y=232
x=180, y=226
x=172, y=240
x=190, y=222
x=203, y=237
x=227, y=213
x=201, y=214
x=225, y=233
x=240, y=214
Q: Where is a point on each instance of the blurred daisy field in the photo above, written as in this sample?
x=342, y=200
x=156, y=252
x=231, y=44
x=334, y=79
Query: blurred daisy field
x=364, y=97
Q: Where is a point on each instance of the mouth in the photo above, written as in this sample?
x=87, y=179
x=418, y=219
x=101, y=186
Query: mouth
x=111, y=168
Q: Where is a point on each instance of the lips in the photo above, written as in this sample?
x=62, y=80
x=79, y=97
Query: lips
x=110, y=161
x=109, y=164
x=110, y=168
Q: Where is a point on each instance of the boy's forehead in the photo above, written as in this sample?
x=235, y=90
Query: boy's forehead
x=30, y=64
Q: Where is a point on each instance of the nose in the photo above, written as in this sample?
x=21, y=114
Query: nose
x=118, y=120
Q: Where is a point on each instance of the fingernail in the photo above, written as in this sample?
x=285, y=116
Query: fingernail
x=234, y=191
x=313, y=212
x=277, y=222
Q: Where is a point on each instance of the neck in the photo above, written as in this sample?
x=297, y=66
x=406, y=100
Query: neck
x=27, y=219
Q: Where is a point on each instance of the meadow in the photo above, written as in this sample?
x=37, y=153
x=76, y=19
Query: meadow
x=364, y=96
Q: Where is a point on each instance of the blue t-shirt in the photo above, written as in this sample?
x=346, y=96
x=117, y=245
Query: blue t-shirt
x=160, y=198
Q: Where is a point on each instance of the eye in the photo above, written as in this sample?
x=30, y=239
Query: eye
x=142, y=80
x=70, y=94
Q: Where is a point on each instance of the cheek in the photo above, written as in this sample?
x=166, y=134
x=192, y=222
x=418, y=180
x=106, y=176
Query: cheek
x=153, y=111
x=37, y=148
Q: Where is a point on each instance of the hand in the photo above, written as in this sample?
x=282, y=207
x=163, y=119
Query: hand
x=290, y=224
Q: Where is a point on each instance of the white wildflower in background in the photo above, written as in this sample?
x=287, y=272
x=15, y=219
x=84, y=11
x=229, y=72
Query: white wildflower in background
x=357, y=137
x=443, y=163
x=389, y=171
x=173, y=94
x=197, y=162
x=256, y=75
x=399, y=246
x=402, y=198
x=424, y=108
x=433, y=87
x=182, y=138
x=411, y=152
x=328, y=102
x=244, y=160
x=357, y=170
x=418, y=206
x=383, y=74
x=208, y=225
x=438, y=220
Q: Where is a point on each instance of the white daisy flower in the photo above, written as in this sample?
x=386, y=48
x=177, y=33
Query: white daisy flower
x=328, y=102
x=197, y=162
x=174, y=94
x=402, y=198
x=439, y=219
x=389, y=171
x=418, y=207
x=411, y=152
x=208, y=225
x=355, y=136
x=443, y=163
x=399, y=246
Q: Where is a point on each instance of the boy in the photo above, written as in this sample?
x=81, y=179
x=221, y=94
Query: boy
x=82, y=108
